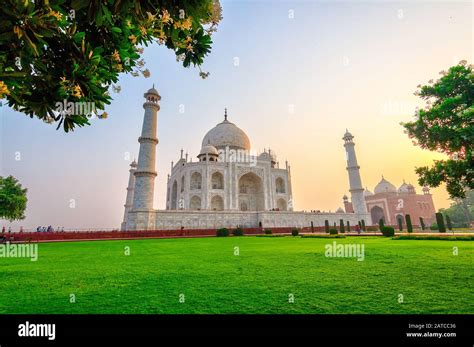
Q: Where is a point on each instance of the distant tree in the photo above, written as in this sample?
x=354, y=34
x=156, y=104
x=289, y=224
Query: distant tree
x=461, y=211
x=400, y=223
x=446, y=125
x=12, y=199
x=348, y=224
x=381, y=224
x=341, y=226
x=409, y=224
x=440, y=222
x=422, y=223
x=362, y=222
x=326, y=226
x=448, y=223
x=74, y=50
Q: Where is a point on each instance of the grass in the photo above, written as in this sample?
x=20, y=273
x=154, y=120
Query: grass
x=435, y=237
x=258, y=280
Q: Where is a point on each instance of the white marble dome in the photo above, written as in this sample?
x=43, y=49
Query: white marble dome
x=227, y=134
x=209, y=149
x=385, y=186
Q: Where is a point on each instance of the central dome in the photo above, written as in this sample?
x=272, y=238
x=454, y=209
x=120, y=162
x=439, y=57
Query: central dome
x=227, y=134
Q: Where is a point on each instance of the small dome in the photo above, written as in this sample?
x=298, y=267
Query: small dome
x=152, y=90
x=208, y=149
x=345, y=197
x=227, y=134
x=367, y=192
x=407, y=188
x=385, y=186
x=133, y=164
x=347, y=136
x=340, y=210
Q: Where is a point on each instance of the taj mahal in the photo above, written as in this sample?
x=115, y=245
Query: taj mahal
x=227, y=186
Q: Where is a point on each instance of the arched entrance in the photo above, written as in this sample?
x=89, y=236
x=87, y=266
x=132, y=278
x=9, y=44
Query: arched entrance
x=377, y=213
x=280, y=185
x=217, y=181
x=281, y=204
x=251, y=192
x=400, y=220
x=217, y=203
x=195, y=203
x=174, y=196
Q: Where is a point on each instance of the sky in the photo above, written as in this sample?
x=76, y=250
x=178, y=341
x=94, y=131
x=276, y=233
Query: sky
x=292, y=74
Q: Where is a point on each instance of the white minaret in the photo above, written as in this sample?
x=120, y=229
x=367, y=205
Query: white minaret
x=130, y=189
x=355, y=183
x=146, y=167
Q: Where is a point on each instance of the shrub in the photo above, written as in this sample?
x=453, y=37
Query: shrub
x=222, y=232
x=267, y=232
x=341, y=226
x=323, y=236
x=448, y=223
x=333, y=231
x=422, y=223
x=326, y=226
x=295, y=232
x=388, y=231
x=440, y=222
x=409, y=225
x=238, y=232
x=381, y=224
x=434, y=226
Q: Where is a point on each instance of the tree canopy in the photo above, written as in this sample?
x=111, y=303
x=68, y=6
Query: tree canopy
x=461, y=211
x=53, y=51
x=446, y=125
x=12, y=199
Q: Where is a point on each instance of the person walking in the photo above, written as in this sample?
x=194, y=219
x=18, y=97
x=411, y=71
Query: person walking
x=357, y=228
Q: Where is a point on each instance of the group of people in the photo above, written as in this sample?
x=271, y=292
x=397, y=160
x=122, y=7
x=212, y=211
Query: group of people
x=48, y=229
x=3, y=236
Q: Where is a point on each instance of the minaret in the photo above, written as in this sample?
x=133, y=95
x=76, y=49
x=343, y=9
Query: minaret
x=355, y=183
x=146, y=168
x=130, y=189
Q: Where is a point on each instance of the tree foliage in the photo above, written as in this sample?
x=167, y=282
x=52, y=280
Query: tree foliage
x=74, y=50
x=12, y=199
x=461, y=211
x=446, y=125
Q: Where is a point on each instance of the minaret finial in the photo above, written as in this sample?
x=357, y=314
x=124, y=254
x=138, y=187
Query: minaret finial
x=225, y=113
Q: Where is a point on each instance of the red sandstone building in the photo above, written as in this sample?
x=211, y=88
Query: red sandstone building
x=392, y=204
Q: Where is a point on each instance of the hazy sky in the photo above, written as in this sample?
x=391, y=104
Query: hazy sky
x=293, y=75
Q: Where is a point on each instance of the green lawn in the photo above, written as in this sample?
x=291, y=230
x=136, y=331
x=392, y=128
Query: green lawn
x=259, y=280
